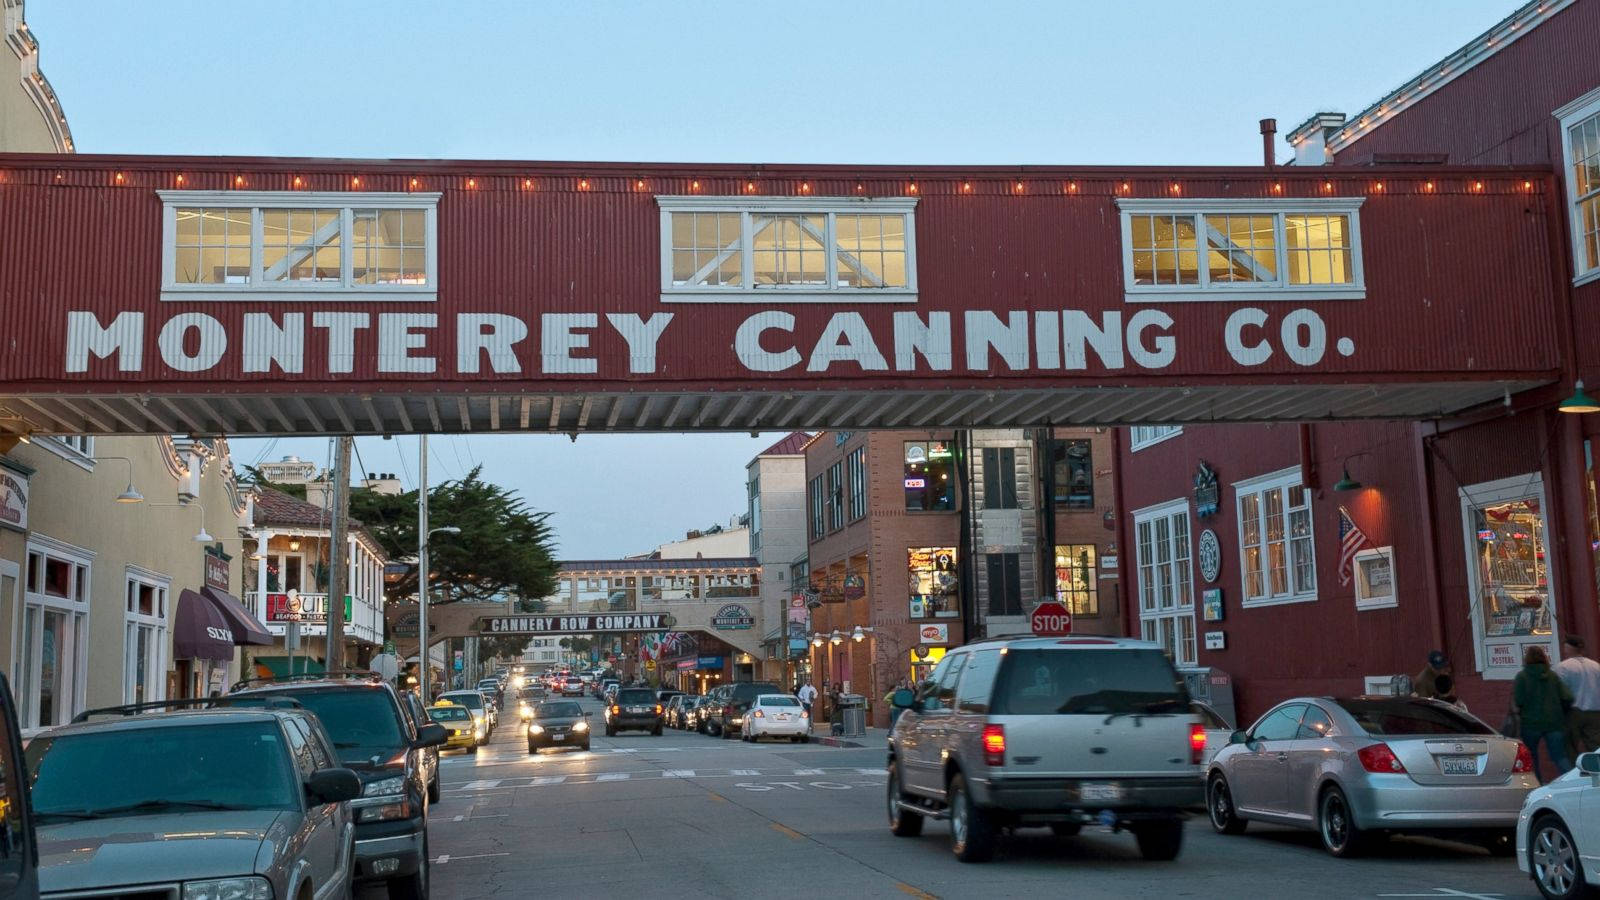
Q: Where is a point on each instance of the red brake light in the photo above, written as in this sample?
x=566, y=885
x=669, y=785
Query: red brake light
x=1524, y=761
x=994, y=745
x=1197, y=742
x=1379, y=758
x=758, y=714
x=615, y=710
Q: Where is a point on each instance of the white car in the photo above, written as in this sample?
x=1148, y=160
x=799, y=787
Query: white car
x=1558, y=832
x=779, y=716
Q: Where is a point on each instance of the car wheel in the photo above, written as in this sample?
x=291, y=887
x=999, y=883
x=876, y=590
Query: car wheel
x=532, y=749
x=1159, y=841
x=1341, y=837
x=415, y=885
x=902, y=822
x=972, y=833
x=1065, y=829
x=727, y=733
x=586, y=746
x=1553, y=860
x=1219, y=802
x=433, y=788
x=805, y=738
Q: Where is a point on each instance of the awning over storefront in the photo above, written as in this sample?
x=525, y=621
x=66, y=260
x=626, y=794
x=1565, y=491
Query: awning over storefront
x=246, y=630
x=201, y=630
x=278, y=666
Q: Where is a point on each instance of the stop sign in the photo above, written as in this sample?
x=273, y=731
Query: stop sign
x=1051, y=619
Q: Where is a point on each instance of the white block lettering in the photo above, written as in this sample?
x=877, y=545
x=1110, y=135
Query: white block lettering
x=642, y=338
x=1306, y=349
x=747, y=342
x=558, y=338
x=931, y=339
x=213, y=342
x=124, y=337
x=477, y=333
x=846, y=339
x=1047, y=339
x=1080, y=332
x=398, y=336
x=1165, y=347
x=1009, y=339
x=1233, y=337
x=266, y=344
x=342, y=327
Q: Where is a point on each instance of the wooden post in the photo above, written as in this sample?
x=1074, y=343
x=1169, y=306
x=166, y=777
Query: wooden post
x=339, y=556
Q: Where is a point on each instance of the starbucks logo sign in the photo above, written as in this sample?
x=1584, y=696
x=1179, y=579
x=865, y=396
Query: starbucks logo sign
x=1210, y=556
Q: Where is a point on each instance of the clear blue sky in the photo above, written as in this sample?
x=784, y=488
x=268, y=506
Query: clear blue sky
x=827, y=82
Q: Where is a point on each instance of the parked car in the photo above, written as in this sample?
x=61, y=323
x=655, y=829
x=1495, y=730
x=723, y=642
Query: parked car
x=677, y=711
x=571, y=687
x=19, y=865
x=1017, y=732
x=227, y=801
x=416, y=717
x=370, y=732
x=558, y=723
x=604, y=686
x=1558, y=833
x=665, y=697
x=465, y=733
x=491, y=688
x=726, y=717
x=1357, y=769
x=477, y=703
x=633, y=709
x=779, y=716
x=712, y=701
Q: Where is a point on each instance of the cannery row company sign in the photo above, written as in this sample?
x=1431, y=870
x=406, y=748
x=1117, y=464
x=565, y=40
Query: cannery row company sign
x=578, y=624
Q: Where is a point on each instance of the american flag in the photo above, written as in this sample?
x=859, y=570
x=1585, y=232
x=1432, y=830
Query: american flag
x=1351, y=540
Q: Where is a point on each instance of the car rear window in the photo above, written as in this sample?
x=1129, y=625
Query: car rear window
x=363, y=722
x=1042, y=682
x=636, y=695
x=749, y=691
x=472, y=700
x=1405, y=715
x=449, y=714
x=779, y=701
x=557, y=710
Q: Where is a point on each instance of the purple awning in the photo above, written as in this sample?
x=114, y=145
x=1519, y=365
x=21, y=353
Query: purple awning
x=201, y=631
x=246, y=630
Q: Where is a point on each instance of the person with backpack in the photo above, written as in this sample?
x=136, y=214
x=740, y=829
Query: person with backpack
x=1540, y=701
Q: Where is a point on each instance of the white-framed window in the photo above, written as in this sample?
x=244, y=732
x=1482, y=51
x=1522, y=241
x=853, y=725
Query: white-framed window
x=74, y=448
x=1580, y=148
x=1277, y=556
x=753, y=489
x=856, y=471
x=1374, y=578
x=1166, y=578
x=52, y=666
x=219, y=245
x=749, y=250
x=1508, y=572
x=145, y=639
x=1230, y=249
x=1142, y=436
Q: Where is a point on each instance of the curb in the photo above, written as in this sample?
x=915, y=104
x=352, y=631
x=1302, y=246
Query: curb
x=835, y=742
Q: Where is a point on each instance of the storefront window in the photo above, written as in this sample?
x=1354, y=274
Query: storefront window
x=1510, y=575
x=930, y=475
x=1166, y=595
x=933, y=582
x=144, y=650
x=54, y=657
x=1076, y=580
x=923, y=661
x=1592, y=499
x=1072, y=474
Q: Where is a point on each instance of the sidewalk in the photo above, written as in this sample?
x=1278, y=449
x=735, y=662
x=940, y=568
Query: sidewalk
x=822, y=733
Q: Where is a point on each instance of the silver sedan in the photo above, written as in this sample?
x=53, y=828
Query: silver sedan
x=1356, y=769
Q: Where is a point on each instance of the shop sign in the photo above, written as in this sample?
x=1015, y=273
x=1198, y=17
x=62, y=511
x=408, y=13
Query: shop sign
x=1206, y=492
x=733, y=616
x=1216, y=640
x=1210, y=553
x=216, y=570
x=575, y=624
x=1108, y=562
x=916, y=484
x=855, y=587
x=1503, y=655
x=839, y=437
x=708, y=662
x=297, y=607
x=1211, y=604
x=933, y=634
x=13, y=500
x=685, y=664
x=408, y=626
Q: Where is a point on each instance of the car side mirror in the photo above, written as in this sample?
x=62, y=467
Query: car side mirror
x=431, y=736
x=903, y=698
x=333, y=785
x=1589, y=763
x=1238, y=737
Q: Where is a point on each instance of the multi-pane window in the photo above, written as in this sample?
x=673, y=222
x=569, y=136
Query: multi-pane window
x=754, y=488
x=1192, y=249
x=1076, y=579
x=1166, y=584
x=856, y=473
x=836, y=513
x=1580, y=123
x=815, y=497
x=1276, y=556
x=54, y=637
x=1140, y=436
x=721, y=249
x=145, y=643
x=1005, y=583
x=1072, y=474
x=296, y=244
x=999, y=478
x=930, y=475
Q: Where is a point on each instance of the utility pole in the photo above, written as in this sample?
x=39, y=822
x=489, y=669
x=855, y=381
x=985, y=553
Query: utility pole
x=425, y=678
x=339, y=556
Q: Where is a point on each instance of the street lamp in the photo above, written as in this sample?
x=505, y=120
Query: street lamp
x=816, y=639
x=202, y=537
x=422, y=613
x=836, y=638
x=130, y=494
x=860, y=634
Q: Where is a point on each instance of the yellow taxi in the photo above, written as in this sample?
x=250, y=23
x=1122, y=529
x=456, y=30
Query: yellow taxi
x=464, y=732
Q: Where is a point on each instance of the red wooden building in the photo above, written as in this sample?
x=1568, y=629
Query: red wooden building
x=1473, y=532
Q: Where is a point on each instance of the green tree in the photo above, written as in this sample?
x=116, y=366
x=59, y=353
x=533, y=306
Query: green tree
x=251, y=476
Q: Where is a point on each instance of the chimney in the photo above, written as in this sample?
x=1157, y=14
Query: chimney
x=1269, y=130
x=1310, y=139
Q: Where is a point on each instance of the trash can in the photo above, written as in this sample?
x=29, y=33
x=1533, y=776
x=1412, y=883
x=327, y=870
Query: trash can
x=853, y=714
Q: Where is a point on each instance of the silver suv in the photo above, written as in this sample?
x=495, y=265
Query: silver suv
x=1054, y=732
x=233, y=802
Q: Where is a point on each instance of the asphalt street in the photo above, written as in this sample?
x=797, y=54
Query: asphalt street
x=683, y=815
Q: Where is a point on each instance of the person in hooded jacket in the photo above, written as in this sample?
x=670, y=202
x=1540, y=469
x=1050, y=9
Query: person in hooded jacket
x=1541, y=700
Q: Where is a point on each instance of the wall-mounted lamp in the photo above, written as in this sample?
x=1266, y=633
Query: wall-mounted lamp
x=294, y=544
x=816, y=639
x=836, y=638
x=860, y=634
x=1345, y=482
x=201, y=537
x=1579, y=402
x=130, y=494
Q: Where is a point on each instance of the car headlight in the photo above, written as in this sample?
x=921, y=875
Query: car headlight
x=536, y=729
x=581, y=726
x=382, y=787
x=477, y=717
x=250, y=888
x=388, y=811
x=478, y=734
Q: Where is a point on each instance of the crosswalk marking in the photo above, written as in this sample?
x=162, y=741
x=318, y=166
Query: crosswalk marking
x=547, y=779
x=744, y=771
x=872, y=771
x=481, y=785
x=808, y=771
x=613, y=776
x=677, y=773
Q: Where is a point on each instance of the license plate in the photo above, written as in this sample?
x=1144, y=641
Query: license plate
x=558, y=737
x=783, y=717
x=1459, y=765
x=636, y=709
x=1099, y=791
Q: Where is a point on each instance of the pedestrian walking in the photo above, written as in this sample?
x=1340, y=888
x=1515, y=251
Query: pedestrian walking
x=807, y=696
x=1540, y=700
x=1581, y=675
x=1426, y=684
x=888, y=699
